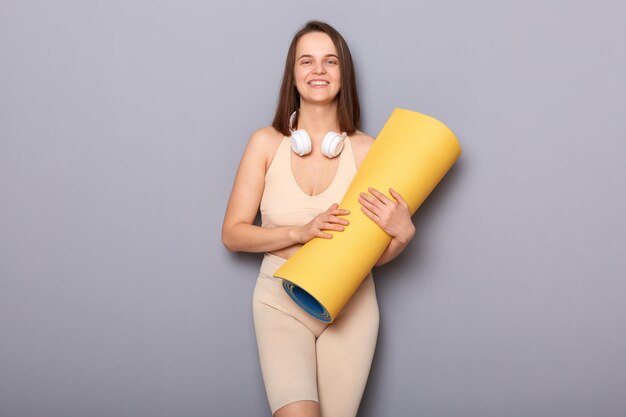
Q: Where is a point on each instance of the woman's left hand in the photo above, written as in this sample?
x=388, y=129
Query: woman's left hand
x=393, y=217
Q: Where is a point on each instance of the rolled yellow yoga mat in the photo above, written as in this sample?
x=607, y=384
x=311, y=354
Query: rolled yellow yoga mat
x=411, y=154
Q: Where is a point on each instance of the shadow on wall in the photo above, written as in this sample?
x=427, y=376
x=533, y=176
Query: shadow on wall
x=394, y=275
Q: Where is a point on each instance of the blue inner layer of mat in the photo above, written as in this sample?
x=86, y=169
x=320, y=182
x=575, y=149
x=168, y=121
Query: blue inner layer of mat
x=306, y=301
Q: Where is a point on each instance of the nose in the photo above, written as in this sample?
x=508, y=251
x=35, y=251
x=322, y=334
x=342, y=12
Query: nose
x=319, y=68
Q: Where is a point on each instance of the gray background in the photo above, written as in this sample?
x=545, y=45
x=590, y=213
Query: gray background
x=122, y=125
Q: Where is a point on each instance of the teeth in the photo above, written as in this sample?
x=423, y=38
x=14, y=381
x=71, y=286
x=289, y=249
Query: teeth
x=318, y=83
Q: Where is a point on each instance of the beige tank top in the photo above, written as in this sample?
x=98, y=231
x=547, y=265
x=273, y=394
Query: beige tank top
x=285, y=204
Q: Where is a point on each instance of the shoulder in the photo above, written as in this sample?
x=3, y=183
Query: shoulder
x=361, y=143
x=265, y=137
x=264, y=142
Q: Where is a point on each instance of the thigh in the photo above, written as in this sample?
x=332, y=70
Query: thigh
x=345, y=351
x=286, y=350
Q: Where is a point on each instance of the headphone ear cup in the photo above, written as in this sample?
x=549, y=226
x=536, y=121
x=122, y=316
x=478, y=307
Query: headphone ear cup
x=332, y=144
x=300, y=142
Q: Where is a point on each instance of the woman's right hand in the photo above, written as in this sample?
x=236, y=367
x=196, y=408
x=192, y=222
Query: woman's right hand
x=327, y=220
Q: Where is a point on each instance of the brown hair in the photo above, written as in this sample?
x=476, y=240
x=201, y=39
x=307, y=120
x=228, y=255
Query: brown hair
x=348, y=110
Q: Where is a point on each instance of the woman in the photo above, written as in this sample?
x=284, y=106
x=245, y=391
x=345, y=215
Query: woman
x=310, y=367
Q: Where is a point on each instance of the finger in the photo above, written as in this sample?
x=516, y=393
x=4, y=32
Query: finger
x=398, y=197
x=331, y=226
x=321, y=234
x=382, y=197
x=340, y=212
x=333, y=207
x=367, y=202
x=371, y=199
x=369, y=214
x=327, y=225
x=339, y=220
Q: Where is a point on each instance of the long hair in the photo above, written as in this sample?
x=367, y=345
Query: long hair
x=348, y=110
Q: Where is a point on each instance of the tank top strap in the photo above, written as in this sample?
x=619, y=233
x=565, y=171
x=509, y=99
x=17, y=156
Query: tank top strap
x=280, y=161
x=349, y=157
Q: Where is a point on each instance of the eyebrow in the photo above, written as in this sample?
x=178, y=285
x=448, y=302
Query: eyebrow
x=311, y=56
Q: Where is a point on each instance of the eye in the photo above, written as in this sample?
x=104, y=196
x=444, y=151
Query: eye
x=332, y=62
x=305, y=62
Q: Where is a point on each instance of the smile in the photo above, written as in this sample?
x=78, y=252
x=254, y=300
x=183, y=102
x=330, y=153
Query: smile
x=318, y=84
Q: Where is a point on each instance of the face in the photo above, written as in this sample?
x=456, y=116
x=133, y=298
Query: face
x=317, y=60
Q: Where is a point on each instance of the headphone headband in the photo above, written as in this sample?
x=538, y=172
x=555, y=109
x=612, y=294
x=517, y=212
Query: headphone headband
x=293, y=116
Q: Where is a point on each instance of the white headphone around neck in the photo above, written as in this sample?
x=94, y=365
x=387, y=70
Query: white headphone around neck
x=301, y=142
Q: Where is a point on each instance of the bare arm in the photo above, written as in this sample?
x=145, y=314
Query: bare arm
x=395, y=248
x=391, y=216
x=239, y=234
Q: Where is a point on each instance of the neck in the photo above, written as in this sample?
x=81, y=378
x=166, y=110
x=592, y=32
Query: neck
x=318, y=120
